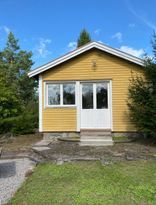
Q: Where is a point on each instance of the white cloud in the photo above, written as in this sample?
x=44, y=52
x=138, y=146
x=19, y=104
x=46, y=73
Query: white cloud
x=72, y=45
x=138, y=53
x=100, y=41
x=6, y=29
x=118, y=36
x=41, y=49
x=141, y=17
x=97, y=31
x=131, y=25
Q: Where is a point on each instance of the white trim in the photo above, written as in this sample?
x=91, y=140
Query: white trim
x=61, y=95
x=94, y=96
x=40, y=103
x=78, y=103
x=110, y=103
x=82, y=49
x=61, y=105
x=109, y=109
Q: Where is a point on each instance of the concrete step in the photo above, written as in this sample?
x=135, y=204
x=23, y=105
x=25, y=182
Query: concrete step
x=95, y=132
x=96, y=143
x=97, y=137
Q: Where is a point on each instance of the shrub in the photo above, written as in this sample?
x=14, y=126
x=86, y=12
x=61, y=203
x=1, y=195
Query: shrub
x=142, y=97
x=22, y=124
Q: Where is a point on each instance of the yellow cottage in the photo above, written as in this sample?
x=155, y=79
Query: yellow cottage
x=86, y=92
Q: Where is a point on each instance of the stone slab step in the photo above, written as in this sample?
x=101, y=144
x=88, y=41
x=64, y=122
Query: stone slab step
x=42, y=143
x=40, y=149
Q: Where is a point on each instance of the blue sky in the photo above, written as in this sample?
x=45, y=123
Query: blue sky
x=50, y=28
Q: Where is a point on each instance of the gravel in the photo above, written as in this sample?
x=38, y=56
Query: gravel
x=12, y=175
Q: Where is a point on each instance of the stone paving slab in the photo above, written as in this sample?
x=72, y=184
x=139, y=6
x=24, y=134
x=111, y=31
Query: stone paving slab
x=69, y=151
x=42, y=143
x=40, y=148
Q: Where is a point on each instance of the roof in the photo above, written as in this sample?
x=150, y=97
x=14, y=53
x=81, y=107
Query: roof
x=83, y=49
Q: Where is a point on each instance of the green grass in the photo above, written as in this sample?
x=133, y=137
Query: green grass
x=90, y=183
x=116, y=138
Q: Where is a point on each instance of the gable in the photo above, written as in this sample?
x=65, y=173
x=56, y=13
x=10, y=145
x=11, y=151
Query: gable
x=81, y=67
x=82, y=50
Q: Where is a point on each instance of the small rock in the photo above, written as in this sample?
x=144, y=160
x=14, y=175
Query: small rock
x=59, y=162
x=29, y=172
x=129, y=158
x=116, y=154
x=104, y=163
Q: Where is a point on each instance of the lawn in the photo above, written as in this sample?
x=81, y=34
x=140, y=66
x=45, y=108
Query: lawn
x=90, y=183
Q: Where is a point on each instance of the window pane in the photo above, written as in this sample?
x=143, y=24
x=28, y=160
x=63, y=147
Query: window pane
x=53, y=94
x=69, y=94
x=101, y=95
x=87, y=96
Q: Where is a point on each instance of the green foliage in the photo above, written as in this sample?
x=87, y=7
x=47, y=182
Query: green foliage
x=83, y=38
x=142, y=97
x=17, y=90
x=9, y=100
x=24, y=123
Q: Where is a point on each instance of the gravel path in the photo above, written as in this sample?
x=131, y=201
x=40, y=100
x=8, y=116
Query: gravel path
x=12, y=174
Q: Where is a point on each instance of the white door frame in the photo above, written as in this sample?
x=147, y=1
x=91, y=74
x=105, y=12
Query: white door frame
x=78, y=101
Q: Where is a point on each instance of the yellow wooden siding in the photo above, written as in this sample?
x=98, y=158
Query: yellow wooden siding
x=108, y=67
x=59, y=119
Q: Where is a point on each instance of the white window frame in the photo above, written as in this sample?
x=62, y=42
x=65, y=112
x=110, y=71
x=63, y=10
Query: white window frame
x=61, y=95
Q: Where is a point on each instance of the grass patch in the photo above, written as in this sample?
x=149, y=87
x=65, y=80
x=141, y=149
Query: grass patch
x=90, y=183
x=122, y=139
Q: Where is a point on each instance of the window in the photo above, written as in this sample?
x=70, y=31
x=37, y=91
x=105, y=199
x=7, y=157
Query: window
x=68, y=94
x=101, y=95
x=53, y=94
x=87, y=96
x=60, y=94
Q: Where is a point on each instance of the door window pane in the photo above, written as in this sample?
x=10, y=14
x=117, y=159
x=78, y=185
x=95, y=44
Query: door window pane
x=68, y=94
x=87, y=96
x=101, y=95
x=53, y=94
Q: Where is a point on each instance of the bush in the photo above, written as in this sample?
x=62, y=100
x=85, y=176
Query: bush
x=22, y=124
x=25, y=124
x=142, y=104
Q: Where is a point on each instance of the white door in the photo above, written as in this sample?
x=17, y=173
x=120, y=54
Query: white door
x=95, y=105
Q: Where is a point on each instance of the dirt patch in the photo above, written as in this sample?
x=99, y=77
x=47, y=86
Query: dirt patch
x=20, y=142
x=19, y=146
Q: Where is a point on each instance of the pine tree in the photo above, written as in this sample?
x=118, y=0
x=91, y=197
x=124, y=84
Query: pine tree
x=16, y=63
x=18, y=100
x=83, y=38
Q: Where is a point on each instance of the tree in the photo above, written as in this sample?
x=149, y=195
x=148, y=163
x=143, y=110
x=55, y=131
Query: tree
x=83, y=38
x=142, y=97
x=9, y=100
x=16, y=64
x=18, y=100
